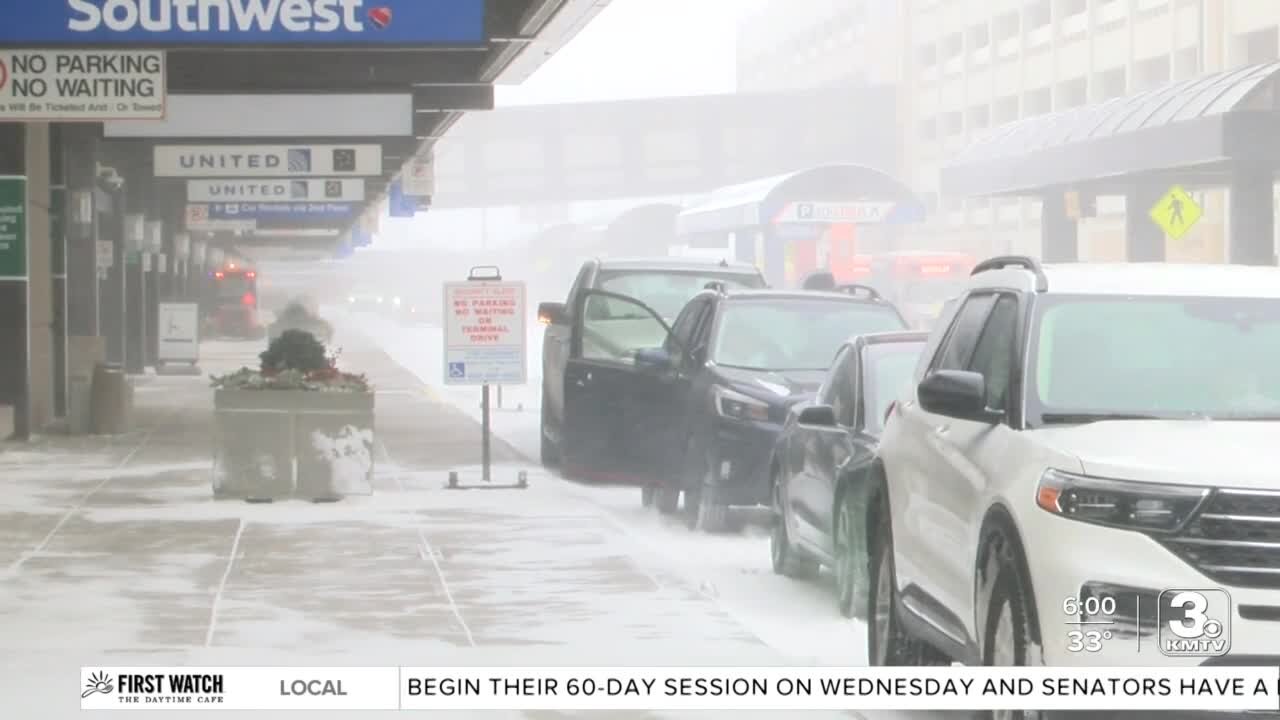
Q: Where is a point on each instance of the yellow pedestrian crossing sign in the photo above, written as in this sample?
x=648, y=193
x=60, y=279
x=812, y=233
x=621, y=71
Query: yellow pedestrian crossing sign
x=1176, y=212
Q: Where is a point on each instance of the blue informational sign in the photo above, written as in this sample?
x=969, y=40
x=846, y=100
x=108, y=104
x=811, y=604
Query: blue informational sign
x=344, y=250
x=190, y=23
x=282, y=211
x=400, y=205
x=359, y=238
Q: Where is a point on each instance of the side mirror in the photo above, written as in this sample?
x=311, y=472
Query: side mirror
x=654, y=360
x=818, y=416
x=957, y=393
x=553, y=313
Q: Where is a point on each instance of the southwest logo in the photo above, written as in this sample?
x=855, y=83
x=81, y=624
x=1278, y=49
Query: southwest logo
x=380, y=17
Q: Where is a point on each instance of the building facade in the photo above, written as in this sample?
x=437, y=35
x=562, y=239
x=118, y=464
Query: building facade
x=971, y=65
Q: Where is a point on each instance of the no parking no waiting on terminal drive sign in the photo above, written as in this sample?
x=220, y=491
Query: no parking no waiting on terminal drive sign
x=485, y=342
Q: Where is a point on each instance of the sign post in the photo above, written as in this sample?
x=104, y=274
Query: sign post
x=485, y=343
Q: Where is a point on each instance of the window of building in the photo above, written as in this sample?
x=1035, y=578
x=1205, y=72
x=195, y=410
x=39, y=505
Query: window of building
x=1151, y=73
x=980, y=117
x=1072, y=93
x=1261, y=46
x=1067, y=8
x=979, y=37
x=928, y=128
x=1007, y=26
x=952, y=46
x=1005, y=109
x=1109, y=84
x=1186, y=63
x=927, y=55
x=953, y=122
x=1038, y=15
x=1109, y=14
x=1037, y=102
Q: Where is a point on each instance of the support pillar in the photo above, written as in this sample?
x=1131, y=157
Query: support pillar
x=81, y=222
x=135, y=289
x=111, y=217
x=1059, y=242
x=153, y=259
x=1143, y=239
x=1252, y=218
x=58, y=266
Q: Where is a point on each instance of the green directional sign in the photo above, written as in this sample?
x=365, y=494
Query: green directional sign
x=13, y=228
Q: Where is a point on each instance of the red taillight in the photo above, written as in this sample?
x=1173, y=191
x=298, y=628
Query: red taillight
x=248, y=300
x=251, y=275
x=220, y=275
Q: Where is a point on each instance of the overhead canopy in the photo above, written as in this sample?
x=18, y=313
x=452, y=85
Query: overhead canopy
x=1200, y=127
x=756, y=203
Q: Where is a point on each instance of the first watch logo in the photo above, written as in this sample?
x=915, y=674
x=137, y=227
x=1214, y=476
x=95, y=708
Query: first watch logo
x=154, y=688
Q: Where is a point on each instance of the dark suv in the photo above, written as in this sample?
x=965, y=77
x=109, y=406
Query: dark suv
x=699, y=408
x=664, y=284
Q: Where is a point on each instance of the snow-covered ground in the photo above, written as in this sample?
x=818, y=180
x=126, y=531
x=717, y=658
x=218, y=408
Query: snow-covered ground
x=795, y=617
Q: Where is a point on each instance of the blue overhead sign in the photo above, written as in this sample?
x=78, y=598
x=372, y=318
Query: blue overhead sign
x=400, y=205
x=286, y=211
x=186, y=23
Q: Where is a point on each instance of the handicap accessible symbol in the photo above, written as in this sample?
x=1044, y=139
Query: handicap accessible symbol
x=457, y=371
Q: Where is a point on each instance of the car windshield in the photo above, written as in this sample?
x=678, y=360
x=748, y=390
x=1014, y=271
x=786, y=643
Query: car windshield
x=794, y=333
x=887, y=373
x=1159, y=357
x=668, y=292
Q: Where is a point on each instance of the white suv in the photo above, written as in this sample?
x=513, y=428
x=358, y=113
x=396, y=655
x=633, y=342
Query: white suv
x=1081, y=438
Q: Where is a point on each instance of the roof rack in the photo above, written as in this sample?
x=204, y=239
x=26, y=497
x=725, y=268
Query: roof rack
x=855, y=288
x=1023, y=261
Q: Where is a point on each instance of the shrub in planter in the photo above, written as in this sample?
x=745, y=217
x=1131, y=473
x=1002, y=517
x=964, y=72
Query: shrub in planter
x=297, y=426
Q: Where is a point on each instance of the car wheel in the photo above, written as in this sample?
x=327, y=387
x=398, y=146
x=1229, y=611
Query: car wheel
x=1007, y=635
x=646, y=496
x=550, y=452
x=692, y=506
x=667, y=499
x=850, y=560
x=888, y=643
x=787, y=560
x=702, y=510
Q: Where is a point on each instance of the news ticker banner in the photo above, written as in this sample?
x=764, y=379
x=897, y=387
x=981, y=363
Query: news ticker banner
x=681, y=688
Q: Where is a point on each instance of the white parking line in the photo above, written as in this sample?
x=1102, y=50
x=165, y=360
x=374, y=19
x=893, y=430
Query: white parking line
x=427, y=553
x=222, y=584
x=16, y=565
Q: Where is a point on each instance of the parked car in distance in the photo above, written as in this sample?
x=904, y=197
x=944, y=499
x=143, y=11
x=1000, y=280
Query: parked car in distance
x=822, y=464
x=663, y=283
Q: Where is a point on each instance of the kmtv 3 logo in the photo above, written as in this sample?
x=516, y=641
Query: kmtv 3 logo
x=1194, y=623
x=162, y=16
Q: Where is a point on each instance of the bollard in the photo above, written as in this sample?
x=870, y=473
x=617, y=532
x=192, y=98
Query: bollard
x=453, y=479
x=522, y=479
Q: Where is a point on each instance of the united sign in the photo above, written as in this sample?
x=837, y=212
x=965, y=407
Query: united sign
x=187, y=23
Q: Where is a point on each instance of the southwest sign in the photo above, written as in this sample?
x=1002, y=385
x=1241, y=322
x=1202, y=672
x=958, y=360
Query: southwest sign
x=189, y=23
x=236, y=161
x=277, y=191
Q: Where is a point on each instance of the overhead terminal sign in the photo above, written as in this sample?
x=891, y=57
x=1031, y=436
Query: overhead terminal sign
x=271, y=161
x=281, y=211
x=419, y=179
x=361, y=115
x=198, y=219
x=183, y=23
x=861, y=212
x=81, y=86
x=345, y=190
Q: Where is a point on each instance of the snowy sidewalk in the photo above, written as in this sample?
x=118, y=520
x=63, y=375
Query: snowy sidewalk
x=113, y=552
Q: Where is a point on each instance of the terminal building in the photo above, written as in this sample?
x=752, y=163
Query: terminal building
x=965, y=67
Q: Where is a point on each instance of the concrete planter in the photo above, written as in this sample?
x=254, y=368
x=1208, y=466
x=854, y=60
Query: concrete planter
x=280, y=444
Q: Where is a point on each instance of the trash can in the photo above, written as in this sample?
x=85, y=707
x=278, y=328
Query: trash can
x=112, y=402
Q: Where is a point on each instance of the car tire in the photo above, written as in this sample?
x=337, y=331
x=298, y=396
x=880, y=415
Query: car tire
x=549, y=450
x=692, y=506
x=888, y=642
x=646, y=495
x=667, y=499
x=787, y=560
x=850, y=559
x=702, y=511
x=1007, y=634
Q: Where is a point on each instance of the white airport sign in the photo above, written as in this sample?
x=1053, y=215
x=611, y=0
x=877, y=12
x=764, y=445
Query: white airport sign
x=267, y=161
x=485, y=342
x=81, y=85
x=419, y=177
x=263, y=191
x=861, y=212
x=276, y=116
x=178, y=329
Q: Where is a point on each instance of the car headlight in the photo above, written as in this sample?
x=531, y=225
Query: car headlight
x=379, y=301
x=731, y=404
x=396, y=302
x=351, y=299
x=1121, y=504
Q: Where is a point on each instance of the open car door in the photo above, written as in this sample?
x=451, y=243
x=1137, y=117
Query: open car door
x=616, y=383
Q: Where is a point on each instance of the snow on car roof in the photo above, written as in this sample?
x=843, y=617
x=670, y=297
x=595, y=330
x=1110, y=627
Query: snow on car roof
x=1151, y=279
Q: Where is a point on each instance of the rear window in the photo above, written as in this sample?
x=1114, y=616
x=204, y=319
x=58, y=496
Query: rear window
x=668, y=292
x=232, y=286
